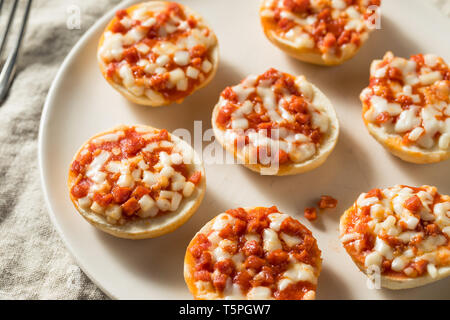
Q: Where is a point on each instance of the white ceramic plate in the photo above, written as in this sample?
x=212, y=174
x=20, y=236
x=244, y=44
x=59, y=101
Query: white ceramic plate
x=81, y=103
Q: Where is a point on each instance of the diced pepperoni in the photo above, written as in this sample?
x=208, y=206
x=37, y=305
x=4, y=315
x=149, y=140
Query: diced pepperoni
x=367, y=242
x=76, y=167
x=256, y=224
x=137, y=71
x=252, y=248
x=159, y=81
x=395, y=74
x=420, y=61
x=118, y=27
x=225, y=266
x=272, y=75
x=254, y=262
x=374, y=193
x=219, y=281
x=192, y=22
x=361, y=227
x=196, y=177
x=420, y=266
x=203, y=241
x=243, y=279
x=132, y=145
x=227, y=232
x=344, y=38
x=202, y=275
x=310, y=214
x=81, y=189
x=383, y=117
x=302, y=118
x=131, y=206
x=197, y=62
x=329, y=41
x=356, y=39
x=405, y=100
x=297, y=105
x=283, y=157
x=120, y=14
x=230, y=95
x=196, y=251
x=198, y=51
x=315, y=135
x=239, y=213
x=111, y=70
x=413, y=204
x=140, y=191
x=150, y=158
x=277, y=257
x=327, y=202
x=224, y=115
x=324, y=15
x=286, y=24
x=272, y=209
x=239, y=227
x=307, y=251
x=297, y=6
x=386, y=265
x=292, y=227
x=163, y=135
x=365, y=211
x=264, y=278
x=205, y=261
x=120, y=194
x=131, y=55
x=103, y=199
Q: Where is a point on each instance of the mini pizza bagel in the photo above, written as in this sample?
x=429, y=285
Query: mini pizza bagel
x=406, y=107
x=276, y=124
x=253, y=253
x=156, y=53
x=136, y=182
x=323, y=32
x=401, y=233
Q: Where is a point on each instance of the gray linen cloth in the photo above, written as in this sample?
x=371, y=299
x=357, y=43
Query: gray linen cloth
x=34, y=264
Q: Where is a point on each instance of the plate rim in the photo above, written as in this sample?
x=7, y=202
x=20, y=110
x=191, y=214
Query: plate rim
x=43, y=124
x=44, y=121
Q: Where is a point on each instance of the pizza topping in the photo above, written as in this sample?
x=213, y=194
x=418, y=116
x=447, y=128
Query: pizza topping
x=402, y=230
x=159, y=52
x=271, y=256
x=310, y=214
x=274, y=118
x=327, y=202
x=334, y=28
x=133, y=173
x=410, y=98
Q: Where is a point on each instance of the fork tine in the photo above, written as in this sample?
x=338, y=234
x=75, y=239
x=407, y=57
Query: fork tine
x=8, y=25
x=9, y=68
x=1, y=5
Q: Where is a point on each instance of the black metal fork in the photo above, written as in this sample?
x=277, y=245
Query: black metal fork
x=9, y=68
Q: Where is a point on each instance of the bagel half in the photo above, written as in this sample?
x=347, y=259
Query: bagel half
x=401, y=233
x=406, y=107
x=253, y=253
x=156, y=53
x=250, y=104
x=115, y=212
x=306, y=30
